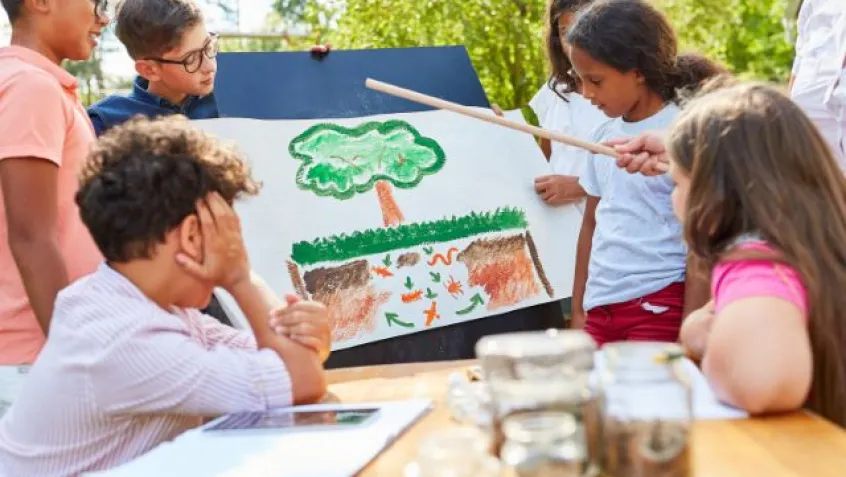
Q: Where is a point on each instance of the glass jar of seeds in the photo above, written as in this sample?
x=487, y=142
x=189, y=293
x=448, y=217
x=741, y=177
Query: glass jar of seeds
x=543, y=444
x=530, y=372
x=454, y=452
x=647, y=414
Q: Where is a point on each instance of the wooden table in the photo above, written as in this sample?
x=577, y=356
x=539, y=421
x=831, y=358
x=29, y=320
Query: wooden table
x=795, y=445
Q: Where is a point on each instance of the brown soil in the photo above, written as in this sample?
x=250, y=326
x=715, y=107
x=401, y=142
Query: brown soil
x=409, y=259
x=503, y=267
x=349, y=295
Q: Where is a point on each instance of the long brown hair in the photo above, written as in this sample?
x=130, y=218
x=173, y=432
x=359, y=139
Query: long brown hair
x=759, y=166
x=562, y=80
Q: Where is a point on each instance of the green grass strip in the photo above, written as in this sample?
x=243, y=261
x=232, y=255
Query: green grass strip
x=342, y=247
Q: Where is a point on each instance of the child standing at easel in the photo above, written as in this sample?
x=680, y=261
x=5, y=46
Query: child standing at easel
x=631, y=265
x=560, y=107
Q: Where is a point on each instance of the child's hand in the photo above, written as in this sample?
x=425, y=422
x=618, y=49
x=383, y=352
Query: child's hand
x=558, y=189
x=645, y=154
x=224, y=261
x=695, y=331
x=320, y=51
x=306, y=322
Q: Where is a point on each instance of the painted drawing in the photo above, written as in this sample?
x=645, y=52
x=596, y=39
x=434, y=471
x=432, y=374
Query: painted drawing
x=340, y=162
x=404, y=273
x=401, y=223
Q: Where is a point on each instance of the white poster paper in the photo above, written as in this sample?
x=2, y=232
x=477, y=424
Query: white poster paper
x=404, y=222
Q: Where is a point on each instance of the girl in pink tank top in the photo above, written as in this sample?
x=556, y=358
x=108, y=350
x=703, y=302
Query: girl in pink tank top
x=763, y=204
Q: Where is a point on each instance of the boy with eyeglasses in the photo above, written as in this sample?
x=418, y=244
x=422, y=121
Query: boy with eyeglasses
x=45, y=136
x=174, y=56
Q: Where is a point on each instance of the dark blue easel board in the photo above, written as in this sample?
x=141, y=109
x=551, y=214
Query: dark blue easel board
x=296, y=85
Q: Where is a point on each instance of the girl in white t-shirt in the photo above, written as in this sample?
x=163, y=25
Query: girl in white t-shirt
x=559, y=107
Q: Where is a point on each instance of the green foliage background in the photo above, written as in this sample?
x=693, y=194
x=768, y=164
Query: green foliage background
x=505, y=38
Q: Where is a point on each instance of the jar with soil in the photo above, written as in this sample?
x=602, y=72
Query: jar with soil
x=531, y=372
x=454, y=452
x=647, y=411
x=543, y=444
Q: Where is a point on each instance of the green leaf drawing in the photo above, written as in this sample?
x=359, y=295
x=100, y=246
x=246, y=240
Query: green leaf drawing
x=428, y=250
x=430, y=294
x=477, y=300
x=387, y=260
x=393, y=319
x=436, y=277
x=408, y=283
x=337, y=248
x=340, y=162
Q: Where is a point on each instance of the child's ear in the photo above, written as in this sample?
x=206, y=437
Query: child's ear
x=639, y=77
x=191, y=238
x=41, y=6
x=147, y=69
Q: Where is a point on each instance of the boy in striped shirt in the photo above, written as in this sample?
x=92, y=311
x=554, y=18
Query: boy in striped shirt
x=130, y=361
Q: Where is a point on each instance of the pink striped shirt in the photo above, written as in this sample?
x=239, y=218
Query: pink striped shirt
x=119, y=375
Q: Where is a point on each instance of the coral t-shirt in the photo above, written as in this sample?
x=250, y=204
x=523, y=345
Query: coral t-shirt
x=738, y=279
x=41, y=117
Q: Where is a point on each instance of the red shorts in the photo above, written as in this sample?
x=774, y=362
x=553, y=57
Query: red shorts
x=655, y=317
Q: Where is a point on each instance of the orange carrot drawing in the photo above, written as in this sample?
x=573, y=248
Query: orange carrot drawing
x=446, y=260
x=453, y=287
x=412, y=297
x=382, y=271
x=432, y=314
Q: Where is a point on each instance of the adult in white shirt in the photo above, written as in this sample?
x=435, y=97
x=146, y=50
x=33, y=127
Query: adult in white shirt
x=835, y=99
x=817, y=67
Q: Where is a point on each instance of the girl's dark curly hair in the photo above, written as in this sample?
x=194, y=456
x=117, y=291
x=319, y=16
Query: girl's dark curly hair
x=632, y=35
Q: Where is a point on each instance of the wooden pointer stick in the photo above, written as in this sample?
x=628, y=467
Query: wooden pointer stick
x=484, y=116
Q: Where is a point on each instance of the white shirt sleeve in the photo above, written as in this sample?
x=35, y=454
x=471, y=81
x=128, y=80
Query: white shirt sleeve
x=541, y=102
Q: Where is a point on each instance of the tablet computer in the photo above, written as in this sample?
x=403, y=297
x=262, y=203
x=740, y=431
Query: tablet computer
x=295, y=420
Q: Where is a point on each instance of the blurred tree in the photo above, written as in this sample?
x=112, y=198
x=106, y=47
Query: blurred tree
x=748, y=36
x=503, y=37
x=89, y=75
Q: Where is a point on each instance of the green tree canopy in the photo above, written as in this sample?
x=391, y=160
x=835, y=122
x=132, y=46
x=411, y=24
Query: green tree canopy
x=341, y=162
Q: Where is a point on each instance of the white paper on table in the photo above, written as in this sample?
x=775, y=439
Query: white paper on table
x=330, y=453
x=654, y=402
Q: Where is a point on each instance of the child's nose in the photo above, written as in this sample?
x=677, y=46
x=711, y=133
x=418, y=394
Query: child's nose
x=210, y=65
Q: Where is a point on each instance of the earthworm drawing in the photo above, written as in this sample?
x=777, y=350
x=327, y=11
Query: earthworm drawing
x=446, y=260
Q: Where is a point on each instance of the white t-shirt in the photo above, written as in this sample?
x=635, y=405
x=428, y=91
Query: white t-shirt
x=818, y=64
x=835, y=98
x=575, y=117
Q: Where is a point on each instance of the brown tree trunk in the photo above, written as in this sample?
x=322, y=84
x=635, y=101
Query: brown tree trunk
x=391, y=214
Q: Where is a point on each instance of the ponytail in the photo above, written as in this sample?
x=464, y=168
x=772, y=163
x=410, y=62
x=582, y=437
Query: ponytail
x=691, y=71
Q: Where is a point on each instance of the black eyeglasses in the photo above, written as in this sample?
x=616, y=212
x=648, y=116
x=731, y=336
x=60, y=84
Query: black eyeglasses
x=193, y=60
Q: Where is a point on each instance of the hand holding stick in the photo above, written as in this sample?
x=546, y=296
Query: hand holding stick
x=491, y=118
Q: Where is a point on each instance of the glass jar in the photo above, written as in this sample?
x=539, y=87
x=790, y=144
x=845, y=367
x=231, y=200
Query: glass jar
x=543, y=371
x=647, y=411
x=543, y=444
x=454, y=452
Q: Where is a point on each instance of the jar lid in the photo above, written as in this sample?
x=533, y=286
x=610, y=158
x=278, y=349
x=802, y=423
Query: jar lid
x=540, y=426
x=535, y=343
x=639, y=354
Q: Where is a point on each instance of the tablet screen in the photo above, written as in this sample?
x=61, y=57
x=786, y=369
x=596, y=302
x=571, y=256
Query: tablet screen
x=293, y=419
